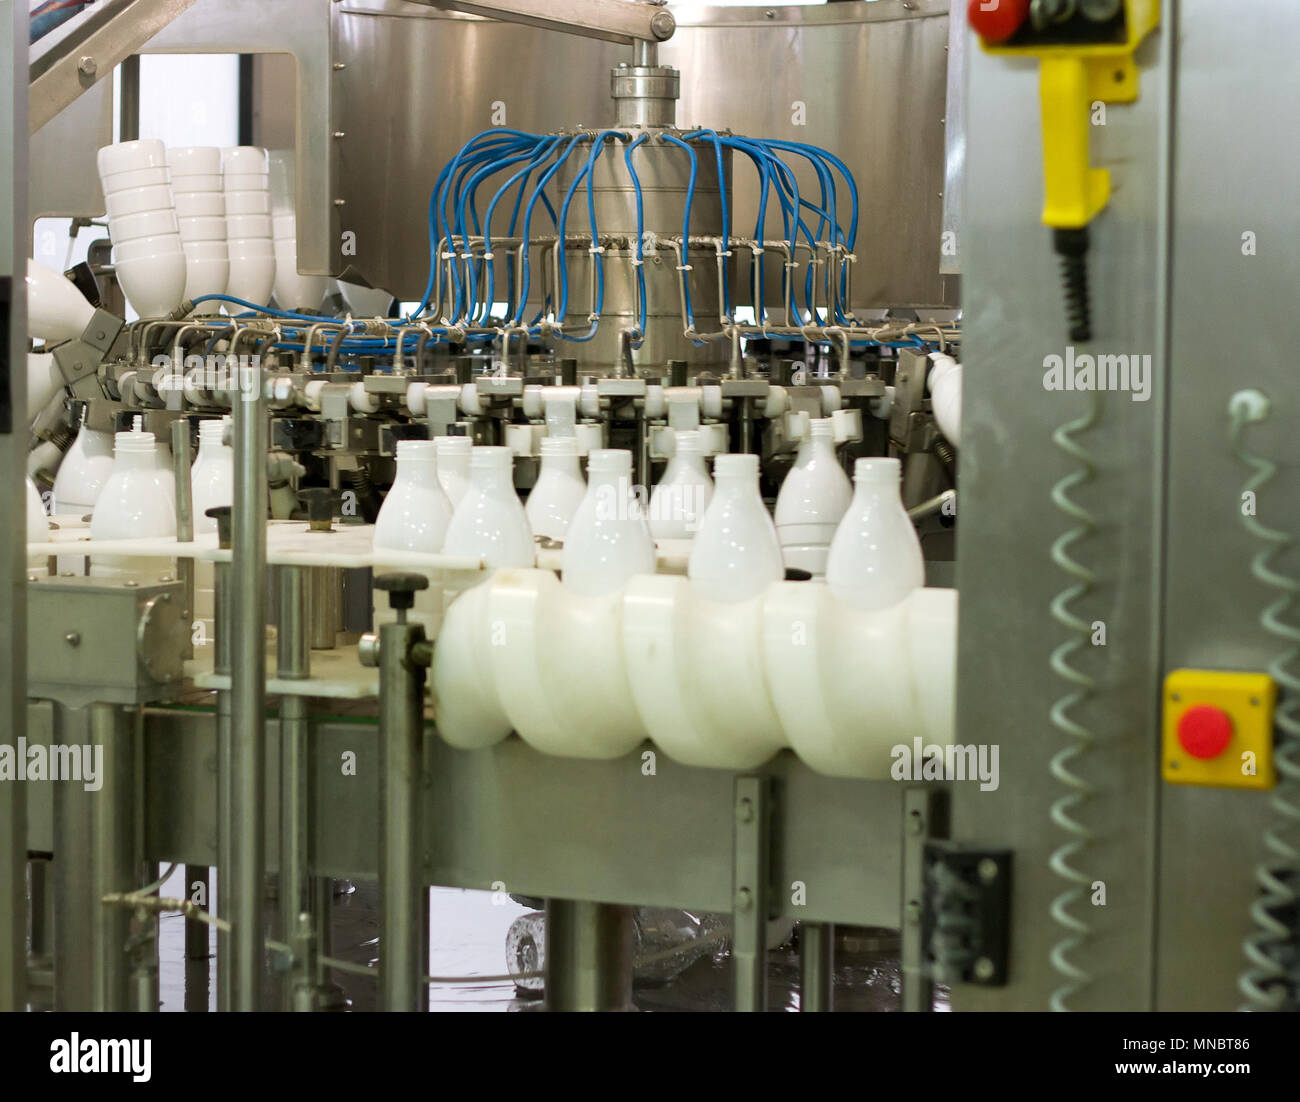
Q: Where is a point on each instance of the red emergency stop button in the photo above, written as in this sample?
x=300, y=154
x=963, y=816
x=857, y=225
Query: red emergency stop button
x=1204, y=731
x=997, y=20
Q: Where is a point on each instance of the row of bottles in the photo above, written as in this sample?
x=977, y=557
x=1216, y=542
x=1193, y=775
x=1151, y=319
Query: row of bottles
x=859, y=537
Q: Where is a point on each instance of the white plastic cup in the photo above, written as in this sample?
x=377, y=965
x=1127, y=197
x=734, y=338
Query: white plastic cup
x=206, y=182
x=251, y=248
x=195, y=160
x=131, y=156
x=248, y=225
x=248, y=203
x=139, y=199
x=284, y=227
x=140, y=177
x=242, y=159
x=148, y=248
x=199, y=204
x=149, y=223
x=206, y=275
x=202, y=229
x=246, y=181
x=153, y=284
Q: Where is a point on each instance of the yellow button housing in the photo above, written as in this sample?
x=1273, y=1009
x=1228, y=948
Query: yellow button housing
x=1249, y=700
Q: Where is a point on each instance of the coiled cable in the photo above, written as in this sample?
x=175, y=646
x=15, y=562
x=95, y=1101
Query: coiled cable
x=1065, y=764
x=1272, y=975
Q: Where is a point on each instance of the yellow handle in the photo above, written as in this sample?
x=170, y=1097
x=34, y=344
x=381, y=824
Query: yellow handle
x=1075, y=191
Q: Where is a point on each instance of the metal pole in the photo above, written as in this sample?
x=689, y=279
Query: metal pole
x=128, y=114
x=13, y=454
x=403, y=901
x=816, y=966
x=750, y=907
x=184, y=517
x=293, y=662
x=222, y=627
x=248, y=688
x=588, y=956
x=96, y=852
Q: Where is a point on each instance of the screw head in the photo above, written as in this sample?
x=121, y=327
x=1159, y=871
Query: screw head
x=984, y=969
x=745, y=811
x=988, y=870
x=744, y=899
x=73, y=638
x=88, y=66
x=663, y=24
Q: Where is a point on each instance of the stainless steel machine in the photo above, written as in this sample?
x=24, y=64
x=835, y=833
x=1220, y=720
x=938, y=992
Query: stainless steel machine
x=1104, y=560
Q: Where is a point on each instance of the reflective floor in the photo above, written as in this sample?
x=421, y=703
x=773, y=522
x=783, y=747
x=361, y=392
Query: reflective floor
x=467, y=940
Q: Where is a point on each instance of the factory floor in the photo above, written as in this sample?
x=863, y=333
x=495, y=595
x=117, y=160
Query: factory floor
x=467, y=938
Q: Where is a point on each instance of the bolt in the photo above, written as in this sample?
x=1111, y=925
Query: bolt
x=338, y=65
x=912, y=912
x=744, y=899
x=73, y=638
x=131, y=584
x=338, y=134
x=663, y=24
x=88, y=66
x=988, y=870
x=984, y=969
x=915, y=823
x=770, y=13
x=745, y=811
x=338, y=202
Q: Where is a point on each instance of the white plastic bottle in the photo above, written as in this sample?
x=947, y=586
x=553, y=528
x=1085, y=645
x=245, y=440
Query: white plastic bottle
x=416, y=512
x=609, y=540
x=136, y=503
x=453, y=466
x=875, y=559
x=812, y=501
x=84, y=472
x=489, y=523
x=683, y=493
x=38, y=525
x=559, y=490
x=212, y=478
x=736, y=554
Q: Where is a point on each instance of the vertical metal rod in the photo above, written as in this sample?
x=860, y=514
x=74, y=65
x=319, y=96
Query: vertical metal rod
x=128, y=114
x=816, y=967
x=750, y=901
x=13, y=450
x=42, y=943
x=588, y=956
x=645, y=54
x=403, y=937
x=248, y=688
x=326, y=598
x=184, y=517
x=223, y=626
x=293, y=662
x=96, y=852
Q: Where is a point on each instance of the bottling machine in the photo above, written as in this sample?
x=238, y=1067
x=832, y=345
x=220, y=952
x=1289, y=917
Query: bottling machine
x=612, y=222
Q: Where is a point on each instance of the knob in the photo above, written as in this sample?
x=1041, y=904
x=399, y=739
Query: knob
x=320, y=508
x=997, y=20
x=222, y=514
x=401, y=589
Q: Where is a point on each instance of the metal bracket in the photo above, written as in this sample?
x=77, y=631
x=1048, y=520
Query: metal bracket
x=925, y=814
x=751, y=892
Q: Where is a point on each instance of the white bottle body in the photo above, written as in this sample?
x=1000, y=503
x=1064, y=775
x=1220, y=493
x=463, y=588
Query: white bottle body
x=559, y=490
x=83, y=474
x=736, y=554
x=453, y=466
x=416, y=513
x=812, y=501
x=136, y=503
x=875, y=559
x=609, y=540
x=490, y=523
x=679, y=501
x=212, y=478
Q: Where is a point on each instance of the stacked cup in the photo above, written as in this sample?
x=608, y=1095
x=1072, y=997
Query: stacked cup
x=147, y=252
x=201, y=215
x=292, y=290
x=248, y=224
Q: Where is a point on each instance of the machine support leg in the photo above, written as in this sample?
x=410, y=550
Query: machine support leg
x=40, y=959
x=223, y=626
x=96, y=852
x=588, y=956
x=816, y=967
x=197, y=954
x=293, y=663
x=248, y=690
x=403, y=899
x=923, y=818
x=751, y=901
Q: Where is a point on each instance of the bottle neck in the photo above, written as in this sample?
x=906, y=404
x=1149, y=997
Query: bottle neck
x=561, y=464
